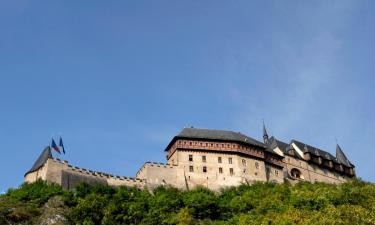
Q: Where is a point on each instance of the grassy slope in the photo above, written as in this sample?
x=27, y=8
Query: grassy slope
x=263, y=203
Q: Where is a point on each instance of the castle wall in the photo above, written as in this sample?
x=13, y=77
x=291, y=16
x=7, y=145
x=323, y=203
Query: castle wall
x=68, y=176
x=158, y=174
x=312, y=173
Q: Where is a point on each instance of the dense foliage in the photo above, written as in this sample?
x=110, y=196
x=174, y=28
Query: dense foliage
x=261, y=203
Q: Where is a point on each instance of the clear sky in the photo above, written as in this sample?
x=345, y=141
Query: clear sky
x=118, y=79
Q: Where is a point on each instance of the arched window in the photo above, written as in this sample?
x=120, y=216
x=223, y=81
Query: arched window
x=295, y=173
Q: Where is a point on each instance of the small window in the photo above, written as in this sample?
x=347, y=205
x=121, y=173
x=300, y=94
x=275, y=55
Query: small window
x=256, y=165
x=219, y=160
x=244, y=171
x=191, y=158
x=201, y=144
x=191, y=143
x=191, y=168
x=212, y=145
x=203, y=158
x=204, y=169
x=206, y=144
x=230, y=160
x=256, y=174
x=220, y=170
x=231, y=172
x=277, y=173
x=244, y=162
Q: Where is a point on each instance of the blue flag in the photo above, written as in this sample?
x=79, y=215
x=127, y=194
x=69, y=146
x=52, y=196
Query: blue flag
x=61, y=145
x=54, y=146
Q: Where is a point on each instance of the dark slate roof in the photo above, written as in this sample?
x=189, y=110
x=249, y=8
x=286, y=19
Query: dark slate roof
x=342, y=158
x=273, y=143
x=221, y=135
x=42, y=159
x=314, y=151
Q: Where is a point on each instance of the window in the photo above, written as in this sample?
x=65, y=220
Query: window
x=295, y=173
x=220, y=170
x=204, y=169
x=191, y=169
x=203, y=158
x=191, y=158
x=231, y=172
x=191, y=143
x=244, y=162
x=219, y=159
x=277, y=173
x=256, y=165
x=230, y=160
x=244, y=171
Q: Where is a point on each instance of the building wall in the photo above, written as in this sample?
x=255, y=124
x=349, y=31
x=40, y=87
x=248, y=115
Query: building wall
x=191, y=173
x=312, y=173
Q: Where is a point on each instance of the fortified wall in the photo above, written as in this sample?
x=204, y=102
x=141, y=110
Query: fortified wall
x=54, y=170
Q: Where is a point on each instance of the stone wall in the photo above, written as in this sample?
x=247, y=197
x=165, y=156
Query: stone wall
x=68, y=176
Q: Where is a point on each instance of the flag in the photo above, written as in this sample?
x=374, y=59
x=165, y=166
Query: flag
x=61, y=145
x=55, y=147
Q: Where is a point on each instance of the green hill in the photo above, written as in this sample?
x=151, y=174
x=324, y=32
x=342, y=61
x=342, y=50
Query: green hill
x=262, y=203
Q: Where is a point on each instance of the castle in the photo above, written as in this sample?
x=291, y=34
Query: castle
x=212, y=158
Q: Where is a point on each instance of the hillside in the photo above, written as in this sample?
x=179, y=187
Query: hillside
x=262, y=203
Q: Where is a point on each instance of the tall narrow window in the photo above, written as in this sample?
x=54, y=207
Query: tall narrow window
x=277, y=173
x=191, y=168
x=231, y=172
x=230, y=160
x=203, y=158
x=191, y=158
x=244, y=162
x=220, y=170
x=256, y=165
x=219, y=159
x=204, y=169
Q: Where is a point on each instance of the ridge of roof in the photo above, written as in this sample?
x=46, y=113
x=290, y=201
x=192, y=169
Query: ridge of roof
x=219, y=135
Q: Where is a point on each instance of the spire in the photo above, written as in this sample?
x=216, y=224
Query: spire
x=265, y=135
x=341, y=156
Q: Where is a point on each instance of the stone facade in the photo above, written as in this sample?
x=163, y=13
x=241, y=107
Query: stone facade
x=213, y=159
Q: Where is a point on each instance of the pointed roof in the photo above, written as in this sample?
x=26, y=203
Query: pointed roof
x=265, y=134
x=341, y=157
x=42, y=159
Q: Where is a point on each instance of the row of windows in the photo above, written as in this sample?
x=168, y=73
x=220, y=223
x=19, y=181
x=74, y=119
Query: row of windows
x=219, y=160
x=217, y=145
x=204, y=169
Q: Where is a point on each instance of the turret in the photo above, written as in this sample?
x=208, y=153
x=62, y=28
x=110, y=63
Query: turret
x=265, y=135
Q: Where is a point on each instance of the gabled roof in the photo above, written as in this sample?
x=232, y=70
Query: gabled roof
x=220, y=135
x=42, y=159
x=273, y=143
x=342, y=158
x=313, y=150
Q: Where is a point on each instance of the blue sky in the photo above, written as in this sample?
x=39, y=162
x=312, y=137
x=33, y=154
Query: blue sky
x=118, y=79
